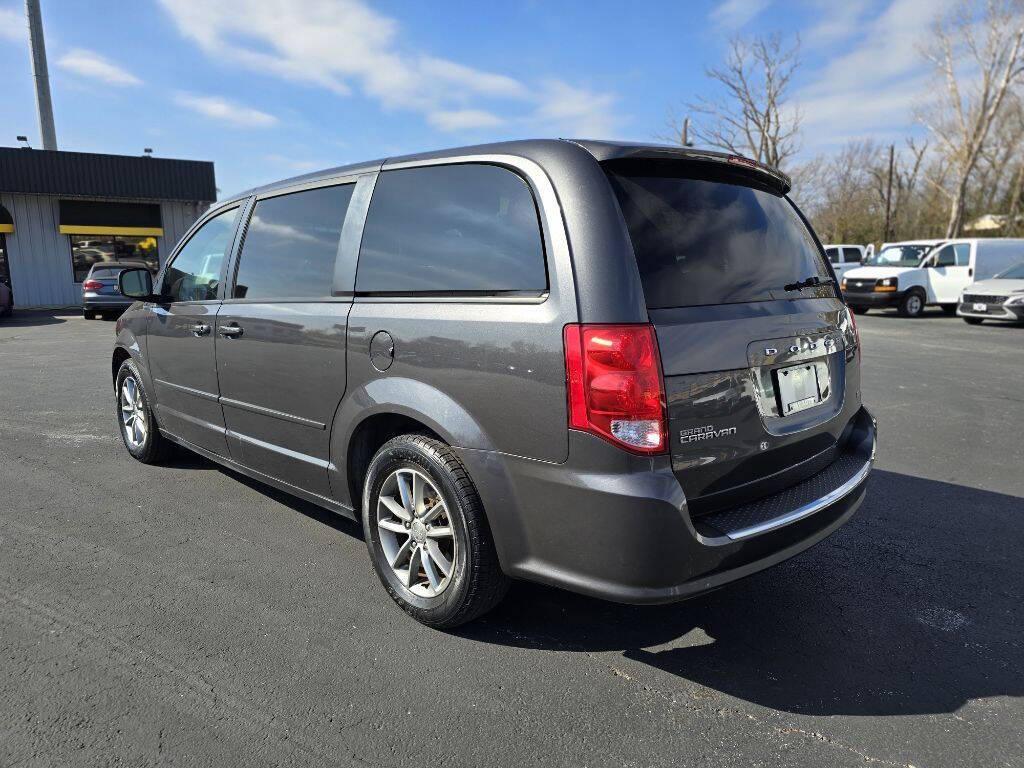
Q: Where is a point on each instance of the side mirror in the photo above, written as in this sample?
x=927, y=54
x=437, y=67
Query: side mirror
x=136, y=284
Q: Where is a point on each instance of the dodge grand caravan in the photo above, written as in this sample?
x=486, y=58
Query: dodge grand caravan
x=623, y=370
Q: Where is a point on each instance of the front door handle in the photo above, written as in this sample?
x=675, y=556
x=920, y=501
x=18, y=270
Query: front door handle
x=230, y=331
x=200, y=329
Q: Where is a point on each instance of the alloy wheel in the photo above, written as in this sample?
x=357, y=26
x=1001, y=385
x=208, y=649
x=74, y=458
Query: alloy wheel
x=416, y=532
x=133, y=415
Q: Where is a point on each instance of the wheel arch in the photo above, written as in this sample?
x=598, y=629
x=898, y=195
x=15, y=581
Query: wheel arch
x=385, y=408
x=116, y=361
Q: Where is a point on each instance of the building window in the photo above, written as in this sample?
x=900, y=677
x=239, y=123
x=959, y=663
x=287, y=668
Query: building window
x=87, y=250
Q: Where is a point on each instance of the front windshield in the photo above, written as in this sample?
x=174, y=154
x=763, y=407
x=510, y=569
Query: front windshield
x=1016, y=272
x=898, y=256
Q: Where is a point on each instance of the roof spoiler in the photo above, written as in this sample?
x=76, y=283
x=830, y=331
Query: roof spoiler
x=604, y=152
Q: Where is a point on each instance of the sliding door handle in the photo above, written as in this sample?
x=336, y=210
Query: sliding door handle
x=230, y=331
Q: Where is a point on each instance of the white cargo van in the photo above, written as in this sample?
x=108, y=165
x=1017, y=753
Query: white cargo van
x=911, y=275
x=845, y=257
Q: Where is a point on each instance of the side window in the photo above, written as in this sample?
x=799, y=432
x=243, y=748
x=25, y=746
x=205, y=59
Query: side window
x=455, y=228
x=963, y=254
x=291, y=245
x=851, y=255
x=946, y=257
x=194, y=274
x=833, y=255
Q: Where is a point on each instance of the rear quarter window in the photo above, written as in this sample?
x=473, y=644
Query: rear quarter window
x=703, y=237
x=451, y=229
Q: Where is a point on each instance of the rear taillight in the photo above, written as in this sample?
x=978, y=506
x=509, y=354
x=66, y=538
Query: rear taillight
x=91, y=285
x=613, y=373
x=853, y=322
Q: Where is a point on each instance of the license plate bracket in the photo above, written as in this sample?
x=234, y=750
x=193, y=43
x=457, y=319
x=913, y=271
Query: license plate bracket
x=802, y=386
x=979, y=307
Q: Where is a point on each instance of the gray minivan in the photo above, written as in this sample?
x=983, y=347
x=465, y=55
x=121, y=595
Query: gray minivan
x=621, y=369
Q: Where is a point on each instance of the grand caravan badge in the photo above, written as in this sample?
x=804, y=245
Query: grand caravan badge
x=707, y=432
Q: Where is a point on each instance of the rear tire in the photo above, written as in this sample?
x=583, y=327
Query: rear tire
x=911, y=305
x=88, y=314
x=138, y=427
x=408, y=555
x=973, y=320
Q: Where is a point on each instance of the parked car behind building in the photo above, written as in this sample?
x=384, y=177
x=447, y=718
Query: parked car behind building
x=100, y=292
x=6, y=300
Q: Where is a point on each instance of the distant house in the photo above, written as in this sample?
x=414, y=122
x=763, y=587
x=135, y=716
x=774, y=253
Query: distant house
x=990, y=222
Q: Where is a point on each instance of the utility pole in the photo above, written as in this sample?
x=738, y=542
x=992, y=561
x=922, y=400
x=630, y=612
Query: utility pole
x=888, y=195
x=684, y=136
x=42, y=74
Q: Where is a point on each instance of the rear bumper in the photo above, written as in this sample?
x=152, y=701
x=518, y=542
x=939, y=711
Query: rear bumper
x=616, y=526
x=873, y=300
x=1013, y=312
x=99, y=301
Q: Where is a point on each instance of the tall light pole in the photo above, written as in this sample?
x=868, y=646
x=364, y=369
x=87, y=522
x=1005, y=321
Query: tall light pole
x=42, y=74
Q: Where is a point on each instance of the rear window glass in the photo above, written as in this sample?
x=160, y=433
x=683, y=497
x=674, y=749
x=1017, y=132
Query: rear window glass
x=291, y=245
x=106, y=272
x=451, y=229
x=705, y=237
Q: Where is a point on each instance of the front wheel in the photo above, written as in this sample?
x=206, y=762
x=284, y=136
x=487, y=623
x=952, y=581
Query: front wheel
x=427, y=534
x=859, y=310
x=135, y=417
x=973, y=320
x=911, y=305
x=949, y=309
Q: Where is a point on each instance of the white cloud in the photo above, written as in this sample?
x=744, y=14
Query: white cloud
x=568, y=110
x=463, y=119
x=839, y=21
x=733, y=14
x=13, y=25
x=346, y=46
x=293, y=164
x=225, y=111
x=876, y=86
x=91, y=65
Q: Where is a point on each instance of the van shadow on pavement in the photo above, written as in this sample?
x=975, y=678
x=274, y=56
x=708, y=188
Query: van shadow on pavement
x=28, y=318
x=915, y=606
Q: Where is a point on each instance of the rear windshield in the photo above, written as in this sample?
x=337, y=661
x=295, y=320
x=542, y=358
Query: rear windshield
x=704, y=236
x=106, y=272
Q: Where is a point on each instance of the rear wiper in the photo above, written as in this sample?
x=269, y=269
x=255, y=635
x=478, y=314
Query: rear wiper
x=810, y=282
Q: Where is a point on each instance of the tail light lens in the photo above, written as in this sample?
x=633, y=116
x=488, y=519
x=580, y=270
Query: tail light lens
x=853, y=324
x=613, y=373
x=91, y=285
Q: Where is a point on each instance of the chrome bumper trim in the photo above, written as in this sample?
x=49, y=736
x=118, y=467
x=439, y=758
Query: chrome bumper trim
x=811, y=507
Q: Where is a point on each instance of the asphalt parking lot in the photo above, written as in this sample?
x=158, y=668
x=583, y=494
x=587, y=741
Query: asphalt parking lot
x=183, y=615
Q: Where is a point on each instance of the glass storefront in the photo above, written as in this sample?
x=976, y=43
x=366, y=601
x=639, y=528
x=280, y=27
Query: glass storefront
x=87, y=250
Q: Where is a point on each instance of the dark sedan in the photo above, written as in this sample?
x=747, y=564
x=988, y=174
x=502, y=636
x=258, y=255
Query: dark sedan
x=100, y=292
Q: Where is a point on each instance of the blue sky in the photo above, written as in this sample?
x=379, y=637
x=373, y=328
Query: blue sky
x=272, y=88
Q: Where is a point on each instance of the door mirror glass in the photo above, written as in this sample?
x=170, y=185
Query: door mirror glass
x=136, y=283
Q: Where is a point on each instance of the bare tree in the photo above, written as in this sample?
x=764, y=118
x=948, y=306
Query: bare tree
x=977, y=86
x=754, y=116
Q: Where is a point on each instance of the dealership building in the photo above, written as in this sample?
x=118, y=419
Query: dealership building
x=62, y=212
